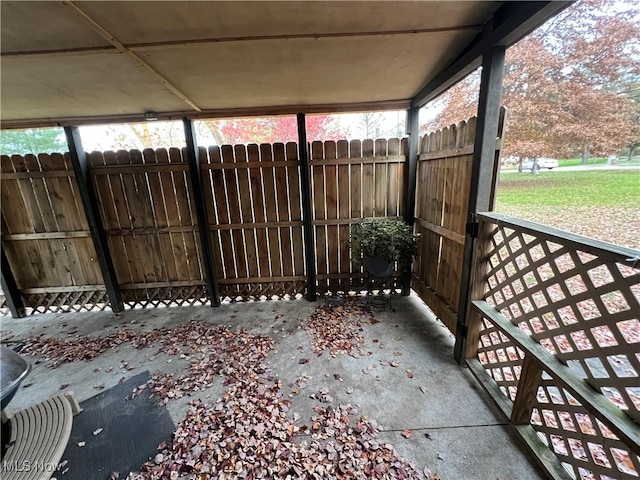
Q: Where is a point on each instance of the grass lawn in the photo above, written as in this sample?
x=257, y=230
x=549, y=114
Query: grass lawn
x=582, y=188
x=576, y=162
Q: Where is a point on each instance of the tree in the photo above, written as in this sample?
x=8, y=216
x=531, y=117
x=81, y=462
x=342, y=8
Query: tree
x=376, y=124
x=566, y=85
x=271, y=129
x=35, y=141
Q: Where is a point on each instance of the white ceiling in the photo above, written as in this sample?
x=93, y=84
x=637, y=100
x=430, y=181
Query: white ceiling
x=66, y=62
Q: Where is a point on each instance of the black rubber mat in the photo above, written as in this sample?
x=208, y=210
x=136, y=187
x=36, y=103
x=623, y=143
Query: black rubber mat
x=131, y=432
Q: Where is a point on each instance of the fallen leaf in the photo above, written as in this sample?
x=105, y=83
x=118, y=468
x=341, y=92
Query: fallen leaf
x=407, y=433
x=394, y=363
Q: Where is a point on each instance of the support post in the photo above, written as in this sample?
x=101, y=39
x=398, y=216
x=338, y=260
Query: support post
x=92, y=212
x=530, y=377
x=307, y=218
x=10, y=288
x=193, y=158
x=481, y=193
x=413, y=129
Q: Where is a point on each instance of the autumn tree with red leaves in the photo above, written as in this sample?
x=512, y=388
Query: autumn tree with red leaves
x=571, y=86
x=271, y=129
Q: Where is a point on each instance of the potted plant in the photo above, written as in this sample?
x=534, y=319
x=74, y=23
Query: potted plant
x=378, y=243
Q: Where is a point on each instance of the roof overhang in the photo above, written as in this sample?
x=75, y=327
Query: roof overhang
x=71, y=63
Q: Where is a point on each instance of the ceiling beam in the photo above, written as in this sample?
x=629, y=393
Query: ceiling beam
x=276, y=110
x=116, y=43
x=511, y=22
x=207, y=41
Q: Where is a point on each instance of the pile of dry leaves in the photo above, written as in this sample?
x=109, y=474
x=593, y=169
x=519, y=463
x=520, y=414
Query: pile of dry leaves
x=246, y=434
x=338, y=328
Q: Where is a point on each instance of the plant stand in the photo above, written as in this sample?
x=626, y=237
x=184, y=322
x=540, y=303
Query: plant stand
x=381, y=300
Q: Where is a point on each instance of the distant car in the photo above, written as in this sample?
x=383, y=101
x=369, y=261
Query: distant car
x=543, y=162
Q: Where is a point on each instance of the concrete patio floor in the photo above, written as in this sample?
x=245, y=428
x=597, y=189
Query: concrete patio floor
x=456, y=431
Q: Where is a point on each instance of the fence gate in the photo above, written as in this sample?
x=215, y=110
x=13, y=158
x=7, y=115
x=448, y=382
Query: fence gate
x=442, y=199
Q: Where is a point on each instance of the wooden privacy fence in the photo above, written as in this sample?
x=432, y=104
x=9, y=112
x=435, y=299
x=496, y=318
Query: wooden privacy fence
x=442, y=199
x=150, y=222
x=351, y=181
x=254, y=210
x=556, y=340
x=45, y=235
x=148, y=214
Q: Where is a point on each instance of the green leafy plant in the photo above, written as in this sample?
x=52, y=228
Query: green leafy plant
x=389, y=240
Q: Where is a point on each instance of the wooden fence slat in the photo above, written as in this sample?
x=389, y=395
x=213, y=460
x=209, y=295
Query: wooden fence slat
x=219, y=215
x=257, y=197
x=188, y=261
x=380, y=180
x=130, y=261
x=368, y=190
x=293, y=175
x=235, y=215
x=344, y=211
x=394, y=173
x=268, y=179
x=244, y=190
x=159, y=201
x=284, y=209
x=318, y=195
x=109, y=214
x=331, y=203
x=162, y=200
x=355, y=152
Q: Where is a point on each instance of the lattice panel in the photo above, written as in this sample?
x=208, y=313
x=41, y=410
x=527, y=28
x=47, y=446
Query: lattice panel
x=584, y=444
x=65, y=301
x=501, y=358
x=581, y=307
x=256, y=291
x=165, y=296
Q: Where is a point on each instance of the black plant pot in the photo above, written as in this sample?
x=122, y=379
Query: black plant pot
x=378, y=267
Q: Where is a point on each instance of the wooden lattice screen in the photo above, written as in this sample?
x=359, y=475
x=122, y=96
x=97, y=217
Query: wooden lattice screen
x=351, y=181
x=559, y=333
x=46, y=237
x=442, y=198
